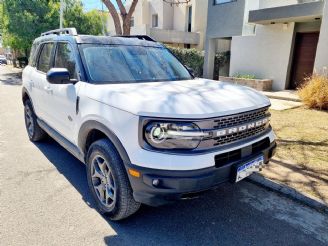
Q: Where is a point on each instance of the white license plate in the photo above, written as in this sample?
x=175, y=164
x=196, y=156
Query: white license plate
x=250, y=167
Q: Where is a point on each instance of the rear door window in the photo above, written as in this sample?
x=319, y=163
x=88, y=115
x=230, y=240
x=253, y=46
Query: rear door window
x=32, y=59
x=44, y=62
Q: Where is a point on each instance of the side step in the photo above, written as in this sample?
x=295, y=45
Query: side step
x=70, y=147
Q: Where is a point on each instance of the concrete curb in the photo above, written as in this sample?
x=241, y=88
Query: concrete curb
x=284, y=190
x=284, y=98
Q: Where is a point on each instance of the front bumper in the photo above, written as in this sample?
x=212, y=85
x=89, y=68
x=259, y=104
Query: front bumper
x=174, y=185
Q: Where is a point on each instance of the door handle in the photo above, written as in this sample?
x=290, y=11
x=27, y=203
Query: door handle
x=48, y=89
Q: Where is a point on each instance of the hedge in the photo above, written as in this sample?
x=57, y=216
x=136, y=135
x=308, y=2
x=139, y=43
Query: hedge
x=195, y=59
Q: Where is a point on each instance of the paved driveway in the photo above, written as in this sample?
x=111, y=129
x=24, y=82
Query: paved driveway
x=44, y=200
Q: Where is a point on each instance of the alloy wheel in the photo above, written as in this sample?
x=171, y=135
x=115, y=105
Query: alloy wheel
x=103, y=181
x=29, y=121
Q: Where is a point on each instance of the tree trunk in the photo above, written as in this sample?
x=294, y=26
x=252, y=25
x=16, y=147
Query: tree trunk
x=126, y=16
x=115, y=16
x=126, y=26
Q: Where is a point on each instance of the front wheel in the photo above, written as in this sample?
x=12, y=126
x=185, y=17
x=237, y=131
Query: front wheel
x=108, y=181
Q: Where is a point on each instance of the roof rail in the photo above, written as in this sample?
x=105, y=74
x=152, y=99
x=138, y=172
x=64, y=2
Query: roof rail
x=141, y=37
x=69, y=31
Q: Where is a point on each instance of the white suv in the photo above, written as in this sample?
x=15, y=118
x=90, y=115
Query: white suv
x=147, y=130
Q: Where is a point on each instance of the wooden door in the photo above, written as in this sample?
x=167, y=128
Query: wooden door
x=304, y=56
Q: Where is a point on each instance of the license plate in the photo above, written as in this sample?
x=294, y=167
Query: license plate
x=246, y=169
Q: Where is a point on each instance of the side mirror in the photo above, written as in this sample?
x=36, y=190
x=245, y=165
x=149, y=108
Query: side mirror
x=191, y=71
x=58, y=76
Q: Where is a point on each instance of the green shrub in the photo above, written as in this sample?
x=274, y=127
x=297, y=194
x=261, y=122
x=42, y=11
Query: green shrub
x=314, y=92
x=245, y=76
x=221, y=59
x=195, y=59
x=191, y=58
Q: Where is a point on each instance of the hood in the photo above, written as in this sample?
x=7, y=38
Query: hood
x=199, y=98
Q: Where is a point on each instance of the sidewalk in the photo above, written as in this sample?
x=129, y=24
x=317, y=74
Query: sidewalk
x=288, y=95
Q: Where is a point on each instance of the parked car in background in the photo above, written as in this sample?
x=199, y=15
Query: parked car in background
x=3, y=60
x=148, y=131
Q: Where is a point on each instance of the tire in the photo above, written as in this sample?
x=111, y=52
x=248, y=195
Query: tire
x=34, y=131
x=108, y=181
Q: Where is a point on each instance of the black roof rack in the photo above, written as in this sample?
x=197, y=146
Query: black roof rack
x=68, y=31
x=141, y=37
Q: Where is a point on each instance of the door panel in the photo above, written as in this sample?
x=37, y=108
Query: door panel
x=64, y=96
x=41, y=84
x=304, y=57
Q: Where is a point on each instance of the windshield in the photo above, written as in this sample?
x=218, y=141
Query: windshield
x=128, y=64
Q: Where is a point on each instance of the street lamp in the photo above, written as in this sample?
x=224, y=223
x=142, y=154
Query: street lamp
x=61, y=14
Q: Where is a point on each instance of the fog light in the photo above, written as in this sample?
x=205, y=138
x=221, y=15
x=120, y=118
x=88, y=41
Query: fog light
x=155, y=182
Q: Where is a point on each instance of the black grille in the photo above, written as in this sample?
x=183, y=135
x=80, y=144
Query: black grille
x=240, y=135
x=238, y=119
x=226, y=122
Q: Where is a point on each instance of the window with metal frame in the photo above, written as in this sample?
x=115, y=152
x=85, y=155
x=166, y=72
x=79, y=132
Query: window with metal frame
x=218, y=2
x=132, y=22
x=155, y=20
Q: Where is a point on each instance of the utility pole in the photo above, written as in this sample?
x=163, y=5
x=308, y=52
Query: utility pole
x=61, y=14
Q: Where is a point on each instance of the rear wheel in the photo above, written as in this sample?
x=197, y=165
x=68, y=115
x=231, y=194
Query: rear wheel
x=108, y=181
x=34, y=131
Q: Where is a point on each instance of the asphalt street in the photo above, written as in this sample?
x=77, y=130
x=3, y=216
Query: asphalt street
x=44, y=200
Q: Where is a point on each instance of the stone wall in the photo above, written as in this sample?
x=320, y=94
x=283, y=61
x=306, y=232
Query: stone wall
x=258, y=84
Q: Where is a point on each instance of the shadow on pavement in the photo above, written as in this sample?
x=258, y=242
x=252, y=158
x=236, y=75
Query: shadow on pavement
x=220, y=217
x=11, y=78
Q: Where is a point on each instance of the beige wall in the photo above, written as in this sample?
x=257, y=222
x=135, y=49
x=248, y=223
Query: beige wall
x=266, y=55
x=170, y=18
x=321, y=62
x=276, y=3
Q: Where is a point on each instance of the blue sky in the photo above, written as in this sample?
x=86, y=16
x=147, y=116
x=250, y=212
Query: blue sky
x=93, y=4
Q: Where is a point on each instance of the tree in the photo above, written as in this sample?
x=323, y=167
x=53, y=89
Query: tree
x=24, y=20
x=125, y=27
x=85, y=23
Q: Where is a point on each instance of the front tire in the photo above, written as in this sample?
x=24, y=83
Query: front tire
x=108, y=181
x=34, y=131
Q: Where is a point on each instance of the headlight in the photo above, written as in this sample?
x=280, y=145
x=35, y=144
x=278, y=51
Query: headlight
x=168, y=135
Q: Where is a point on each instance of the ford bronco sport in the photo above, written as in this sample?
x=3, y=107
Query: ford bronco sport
x=147, y=130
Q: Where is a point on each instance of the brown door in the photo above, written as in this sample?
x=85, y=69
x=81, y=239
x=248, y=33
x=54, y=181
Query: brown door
x=304, y=56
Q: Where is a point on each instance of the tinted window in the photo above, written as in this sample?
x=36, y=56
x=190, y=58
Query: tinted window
x=154, y=20
x=32, y=59
x=126, y=64
x=45, y=57
x=217, y=2
x=65, y=58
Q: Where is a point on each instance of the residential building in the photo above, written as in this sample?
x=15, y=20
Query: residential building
x=282, y=40
x=180, y=25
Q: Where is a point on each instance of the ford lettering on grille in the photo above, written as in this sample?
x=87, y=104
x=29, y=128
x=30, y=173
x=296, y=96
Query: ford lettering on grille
x=241, y=128
x=233, y=128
